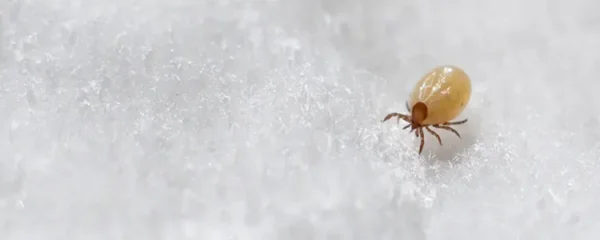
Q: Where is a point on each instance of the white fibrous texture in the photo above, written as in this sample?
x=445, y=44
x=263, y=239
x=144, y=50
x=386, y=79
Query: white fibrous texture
x=229, y=119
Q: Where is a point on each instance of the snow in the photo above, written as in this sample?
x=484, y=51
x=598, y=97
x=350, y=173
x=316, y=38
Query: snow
x=229, y=119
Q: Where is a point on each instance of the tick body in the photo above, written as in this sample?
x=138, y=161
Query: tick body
x=437, y=98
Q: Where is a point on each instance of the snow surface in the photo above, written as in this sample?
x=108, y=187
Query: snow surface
x=260, y=119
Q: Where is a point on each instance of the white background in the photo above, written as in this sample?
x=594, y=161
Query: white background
x=260, y=119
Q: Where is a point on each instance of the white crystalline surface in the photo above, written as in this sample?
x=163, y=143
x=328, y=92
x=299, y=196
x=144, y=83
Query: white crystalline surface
x=231, y=119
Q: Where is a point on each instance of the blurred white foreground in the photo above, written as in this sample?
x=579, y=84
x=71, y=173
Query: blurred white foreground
x=261, y=120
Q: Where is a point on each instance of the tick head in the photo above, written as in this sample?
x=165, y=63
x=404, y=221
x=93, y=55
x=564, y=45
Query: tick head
x=418, y=114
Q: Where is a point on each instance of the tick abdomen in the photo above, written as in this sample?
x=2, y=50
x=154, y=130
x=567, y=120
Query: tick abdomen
x=445, y=91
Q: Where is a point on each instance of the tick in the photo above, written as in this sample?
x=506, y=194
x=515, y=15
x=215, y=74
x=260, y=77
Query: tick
x=437, y=98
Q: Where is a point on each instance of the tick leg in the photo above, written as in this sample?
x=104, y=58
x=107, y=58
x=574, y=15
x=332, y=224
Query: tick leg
x=407, y=107
x=420, y=130
x=390, y=116
x=434, y=134
x=398, y=115
x=454, y=123
x=448, y=128
x=405, y=127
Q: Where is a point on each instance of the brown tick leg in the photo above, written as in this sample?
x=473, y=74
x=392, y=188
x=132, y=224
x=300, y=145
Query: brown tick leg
x=398, y=115
x=405, y=127
x=434, y=134
x=422, y=140
x=407, y=107
x=390, y=116
x=448, y=128
x=454, y=123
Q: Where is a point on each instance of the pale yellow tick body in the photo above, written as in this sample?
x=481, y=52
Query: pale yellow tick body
x=437, y=98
